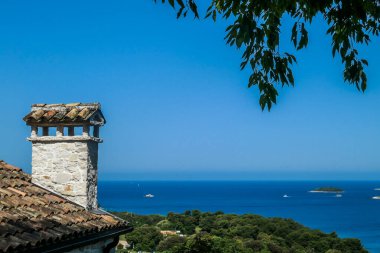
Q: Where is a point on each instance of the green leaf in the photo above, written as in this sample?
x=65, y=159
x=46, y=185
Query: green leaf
x=180, y=2
x=214, y=15
x=294, y=34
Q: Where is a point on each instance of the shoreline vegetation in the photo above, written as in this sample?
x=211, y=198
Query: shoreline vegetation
x=201, y=232
x=328, y=189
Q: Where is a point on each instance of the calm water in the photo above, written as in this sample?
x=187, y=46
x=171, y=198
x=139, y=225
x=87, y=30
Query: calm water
x=355, y=214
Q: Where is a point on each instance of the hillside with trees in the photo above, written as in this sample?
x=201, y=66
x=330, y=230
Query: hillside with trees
x=197, y=232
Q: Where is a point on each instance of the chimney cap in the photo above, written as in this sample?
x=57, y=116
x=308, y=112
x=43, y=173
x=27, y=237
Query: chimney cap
x=65, y=114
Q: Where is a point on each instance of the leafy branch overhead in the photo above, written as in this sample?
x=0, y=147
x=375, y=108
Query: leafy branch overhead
x=256, y=29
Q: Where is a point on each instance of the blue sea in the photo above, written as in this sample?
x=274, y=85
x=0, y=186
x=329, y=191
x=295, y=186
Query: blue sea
x=355, y=214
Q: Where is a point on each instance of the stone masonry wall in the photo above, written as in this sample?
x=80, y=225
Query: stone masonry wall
x=92, y=174
x=68, y=168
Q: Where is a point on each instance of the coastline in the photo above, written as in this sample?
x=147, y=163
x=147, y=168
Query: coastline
x=318, y=210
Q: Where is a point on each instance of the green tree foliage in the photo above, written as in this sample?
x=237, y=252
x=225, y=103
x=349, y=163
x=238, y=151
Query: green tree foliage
x=256, y=28
x=230, y=233
x=199, y=243
x=144, y=238
x=165, y=225
x=136, y=220
x=186, y=223
x=171, y=244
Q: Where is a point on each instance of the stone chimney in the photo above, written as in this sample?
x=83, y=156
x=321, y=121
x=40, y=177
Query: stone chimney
x=65, y=141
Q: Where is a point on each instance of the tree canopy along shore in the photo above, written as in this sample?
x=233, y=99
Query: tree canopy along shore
x=256, y=27
x=201, y=232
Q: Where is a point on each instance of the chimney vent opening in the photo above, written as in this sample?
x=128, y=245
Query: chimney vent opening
x=65, y=131
x=39, y=131
x=78, y=131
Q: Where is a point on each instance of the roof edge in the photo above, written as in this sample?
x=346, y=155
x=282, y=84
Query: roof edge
x=75, y=138
x=66, y=246
x=95, y=105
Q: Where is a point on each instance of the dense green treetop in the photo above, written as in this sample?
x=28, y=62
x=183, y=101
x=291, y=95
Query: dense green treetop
x=256, y=27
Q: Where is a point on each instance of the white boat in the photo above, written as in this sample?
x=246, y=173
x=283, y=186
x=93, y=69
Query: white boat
x=376, y=197
x=377, y=189
x=285, y=196
x=338, y=195
x=149, y=195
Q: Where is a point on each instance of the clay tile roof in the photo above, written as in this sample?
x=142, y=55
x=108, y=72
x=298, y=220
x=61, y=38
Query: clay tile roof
x=33, y=219
x=73, y=113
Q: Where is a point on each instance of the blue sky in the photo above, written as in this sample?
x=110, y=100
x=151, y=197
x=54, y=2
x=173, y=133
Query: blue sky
x=176, y=102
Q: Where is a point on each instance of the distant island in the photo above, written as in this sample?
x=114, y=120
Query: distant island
x=327, y=190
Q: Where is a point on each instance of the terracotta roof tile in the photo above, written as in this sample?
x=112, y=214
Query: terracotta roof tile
x=54, y=114
x=32, y=218
x=49, y=114
x=20, y=193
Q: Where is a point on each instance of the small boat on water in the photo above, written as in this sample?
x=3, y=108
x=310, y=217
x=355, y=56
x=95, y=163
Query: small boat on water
x=149, y=196
x=376, y=197
x=285, y=196
x=377, y=189
x=339, y=195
